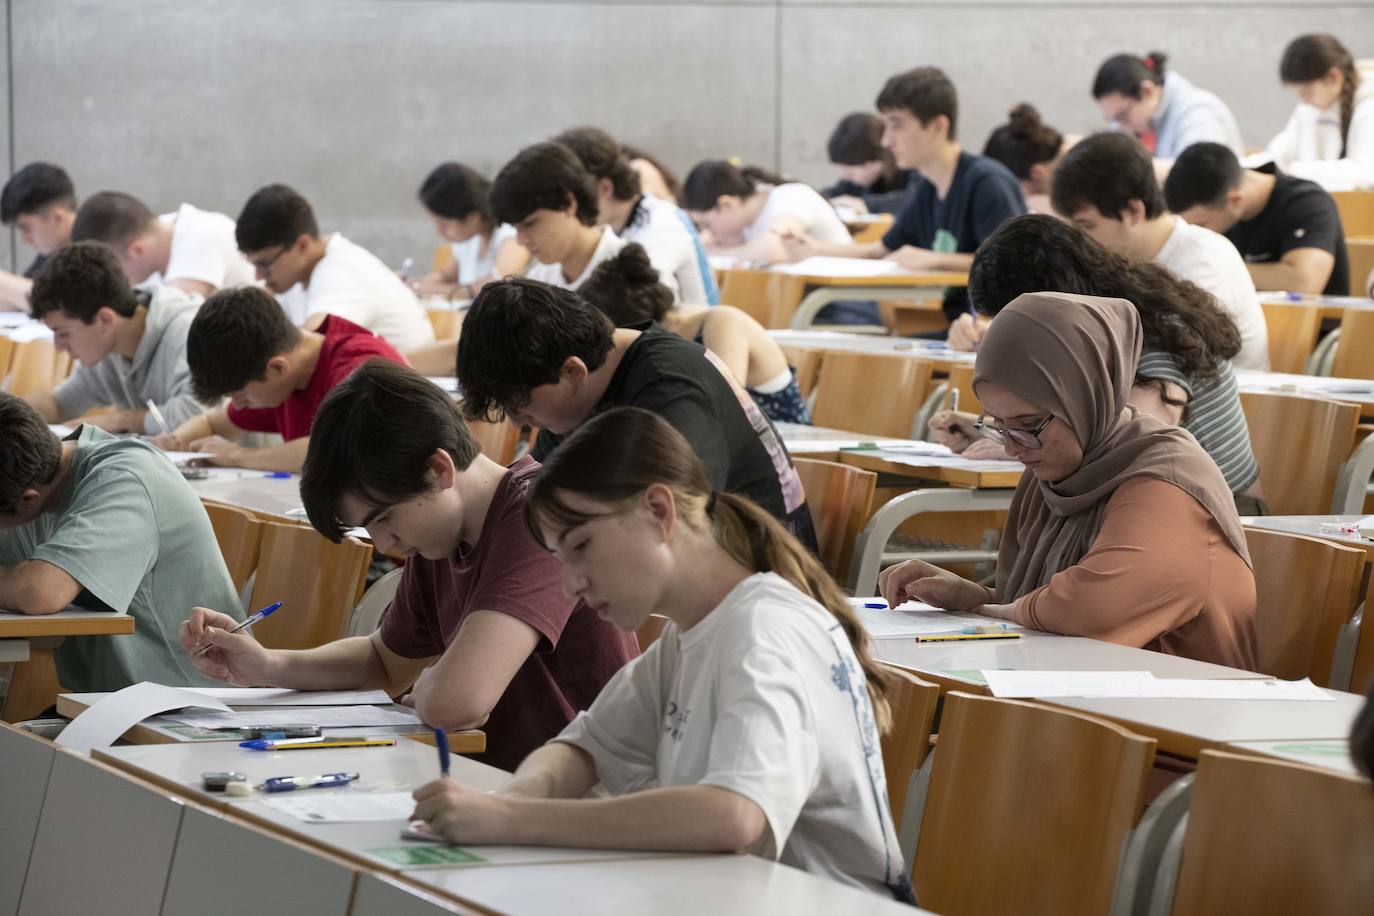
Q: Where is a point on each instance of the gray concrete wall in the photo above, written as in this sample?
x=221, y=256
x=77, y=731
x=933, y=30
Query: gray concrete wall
x=352, y=101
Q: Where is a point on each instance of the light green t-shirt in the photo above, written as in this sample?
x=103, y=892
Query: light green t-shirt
x=130, y=530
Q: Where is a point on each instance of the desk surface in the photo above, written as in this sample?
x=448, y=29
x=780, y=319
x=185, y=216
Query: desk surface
x=1325, y=755
x=1311, y=525
x=276, y=497
x=972, y=477
x=1354, y=390
x=64, y=623
x=933, y=351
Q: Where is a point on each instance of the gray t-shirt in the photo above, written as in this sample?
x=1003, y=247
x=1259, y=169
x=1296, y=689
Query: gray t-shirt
x=130, y=530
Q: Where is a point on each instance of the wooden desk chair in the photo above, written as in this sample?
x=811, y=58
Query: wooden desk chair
x=1300, y=443
x=1308, y=589
x=367, y=614
x=33, y=686
x=6, y=355
x=317, y=581
x=33, y=366
x=961, y=379
x=905, y=747
x=1357, y=212
x=1293, y=329
x=239, y=535
x=1360, y=253
x=870, y=393
x=1027, y=811
x=1271, y=838
x=501, y=442
x=443, y=257
x=445, y=322
x=26, y=761
x=840, y=498
x=650, y=630
x=753, y=291
x=63, y=366
x=806, y=362
x=1355, y=349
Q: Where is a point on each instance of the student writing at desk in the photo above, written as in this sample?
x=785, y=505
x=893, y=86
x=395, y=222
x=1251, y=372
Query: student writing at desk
x=870, y=181
x=107, y=524
x=1330, y=137
x=1031, y=149
x=752, y=723
x=455, y=197
x=480, y=632
x=1141, y=96
x=41, y=202
x=1122, y=529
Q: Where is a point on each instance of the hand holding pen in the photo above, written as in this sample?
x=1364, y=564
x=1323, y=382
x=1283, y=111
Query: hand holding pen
x=236, y=660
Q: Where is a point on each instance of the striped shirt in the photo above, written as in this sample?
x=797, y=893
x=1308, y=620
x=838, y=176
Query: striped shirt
x=1215, y=417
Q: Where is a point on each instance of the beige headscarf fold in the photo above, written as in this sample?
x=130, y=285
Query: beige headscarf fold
x=1075, y=357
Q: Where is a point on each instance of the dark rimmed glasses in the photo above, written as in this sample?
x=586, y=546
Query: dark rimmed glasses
x=995, y=430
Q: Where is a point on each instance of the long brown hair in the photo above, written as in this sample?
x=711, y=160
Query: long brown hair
x=1309, y=57
x=619, y=454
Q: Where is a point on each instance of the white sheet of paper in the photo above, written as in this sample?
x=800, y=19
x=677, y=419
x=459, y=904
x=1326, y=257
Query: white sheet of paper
x=107, y=719
x=61, y=430
x=324, y=716
x=918, y=460
x=33, y=330
x=282, y=696
x=841, y=267
x=447, y=382
x=343, y=807
x=183, y=457
x=1144, y=685
x=917, y=619
x=1242, y=689
x=11, y=319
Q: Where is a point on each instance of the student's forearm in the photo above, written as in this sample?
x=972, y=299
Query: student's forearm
x=36, y=587
x=767, y=249
x=120, y=421
x=1286, y=277
x=556, y=770
x=345, y=664
x=851, y=249
x=200, y=426
x=14, y=291
x=953, y=260
x=289, y=456
x=434, y=359
x=47, y=406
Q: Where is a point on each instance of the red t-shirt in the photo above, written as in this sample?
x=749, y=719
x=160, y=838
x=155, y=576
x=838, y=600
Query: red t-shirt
x=507, y=571
x=345, y=347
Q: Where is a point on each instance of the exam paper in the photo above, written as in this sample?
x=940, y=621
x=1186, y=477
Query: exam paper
x=323, y=716
x=1144, y=685
x=343, y=807
x=184, y=457
x=917, y=619
x=9, y=319
x=108, y=718
x=841, y=267
x=61, y=430
x=922, y=460
x=282, y=696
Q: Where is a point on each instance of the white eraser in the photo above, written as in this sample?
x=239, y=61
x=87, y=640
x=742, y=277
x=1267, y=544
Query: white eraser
x=238, y=788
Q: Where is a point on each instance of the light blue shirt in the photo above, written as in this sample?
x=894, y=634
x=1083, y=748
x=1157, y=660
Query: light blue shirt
x=1189, y=115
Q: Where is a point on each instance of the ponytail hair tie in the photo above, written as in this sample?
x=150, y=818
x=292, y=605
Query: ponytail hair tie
x=711, y=503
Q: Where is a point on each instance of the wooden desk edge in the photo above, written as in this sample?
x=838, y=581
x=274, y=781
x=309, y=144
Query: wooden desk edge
x=39, y=625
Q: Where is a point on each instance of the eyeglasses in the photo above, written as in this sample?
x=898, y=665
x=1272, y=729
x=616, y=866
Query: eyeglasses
x=996, y=431
x=263, y=267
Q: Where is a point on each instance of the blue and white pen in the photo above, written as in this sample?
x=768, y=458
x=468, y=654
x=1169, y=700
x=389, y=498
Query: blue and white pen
x=158, y=418
x=322, y=781
x=265, y=612
x=441, y=742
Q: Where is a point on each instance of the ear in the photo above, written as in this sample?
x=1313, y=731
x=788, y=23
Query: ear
x=1039, y=172
x=104, y=317
x=726, y=202
x=1134, y=214
x=1234, y=200
x=573, y=371
x=278, y=366
x=661, y=506
x=571, y=208
x=605, y=188
x=27, y=503
x=440, y=465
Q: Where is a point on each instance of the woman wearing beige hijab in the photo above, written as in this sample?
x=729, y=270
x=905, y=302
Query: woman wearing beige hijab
x=1122, y=528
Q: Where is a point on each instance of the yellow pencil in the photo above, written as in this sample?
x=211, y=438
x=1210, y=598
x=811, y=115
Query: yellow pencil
x=953, y=637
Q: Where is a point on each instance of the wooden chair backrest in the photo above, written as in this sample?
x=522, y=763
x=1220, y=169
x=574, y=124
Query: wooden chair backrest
x=498, y=441
x=1049, y=795
x=445, y=322
x=443, y=257
x=1293, y=329
x=961, y=378
x=239, y=535
x=1355, y=349
x=1362, y=673
x=905, y=747
x=1360, y=253
x=650, y=630
x=806, y=361
x=870, y=393
x=33, y=366
x=1300, y=443
x=1272, y=838
x=840, y=498
x=1307, y=589
x=1357, y=212
x=750, y=291
x=317, y=581
x=6, y=355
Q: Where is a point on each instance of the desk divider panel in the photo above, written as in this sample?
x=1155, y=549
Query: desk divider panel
x=26, y=762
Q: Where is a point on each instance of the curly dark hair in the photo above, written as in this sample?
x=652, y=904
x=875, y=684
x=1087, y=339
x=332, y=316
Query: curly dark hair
x=79, y=280
x=627, y=288
x=233, y=337
x=1038, y=253
x=32, y=454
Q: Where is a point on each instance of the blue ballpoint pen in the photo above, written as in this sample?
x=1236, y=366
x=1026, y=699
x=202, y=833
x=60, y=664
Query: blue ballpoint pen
x=265, y=612
x=322, y=781
x=441, y=742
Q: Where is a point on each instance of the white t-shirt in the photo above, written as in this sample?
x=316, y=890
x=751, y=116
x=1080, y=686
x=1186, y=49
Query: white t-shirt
x=476, y=258
x=763, y=697
x=656, y=225
x=204, y=249
x=801, y=201
x=353, y=283
x=608, y=247
x=1213, y=263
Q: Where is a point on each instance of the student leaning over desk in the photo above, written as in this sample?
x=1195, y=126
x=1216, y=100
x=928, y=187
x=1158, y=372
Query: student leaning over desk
x=752, y=723
x=1330, y=137
x=1122, y=528
x=479, y=633
x=1138, y=96
x=40, y=201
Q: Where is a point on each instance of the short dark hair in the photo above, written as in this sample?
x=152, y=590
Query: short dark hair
x=1202, y=174
x=35, y=187
x=31, y=455
x=274, y=215
x=1024, y=141
x=541, y=177
x=1122, y=74
x=711, y=179
x=234, y=334
x=112, y=217
x=454, y=191
x=603, y=158
x=857, y=139
x=516, y=337
x=1107, y=171
x=79, y=280
x=627, y=288
x=926, y=92
x=372, y=437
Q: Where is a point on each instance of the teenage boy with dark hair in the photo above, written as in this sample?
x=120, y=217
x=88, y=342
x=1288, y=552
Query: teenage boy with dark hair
x=109, y=525
x=480, y=632
x=666, y=233
x=869, y=178
x=41, y=201
x=242, y=345
x=326, y=275
x=959, y=199
x=131, y=344
x=190, y=248
x=1106, y=186
x=544, y=357
x=1287, y=229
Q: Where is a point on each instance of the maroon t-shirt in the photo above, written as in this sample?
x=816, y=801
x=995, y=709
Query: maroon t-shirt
x=507, y=571
x=345, y=347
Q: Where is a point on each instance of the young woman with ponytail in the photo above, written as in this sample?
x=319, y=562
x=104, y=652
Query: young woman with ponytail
x=1031, y=149
x=752, y=723
x=1141, y=96
x=1330, y=137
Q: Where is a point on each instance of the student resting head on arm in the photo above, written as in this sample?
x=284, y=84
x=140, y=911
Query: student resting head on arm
x=1031, y=149
x=1330, y=137
x=455, y=197
x=480, y=632
x=1138, y=95
x=40, y=201
x=241, y=346
x=752, y=723
x=626, y=288
x=1122, y=528
x=870, y=181
x=1288, y=229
